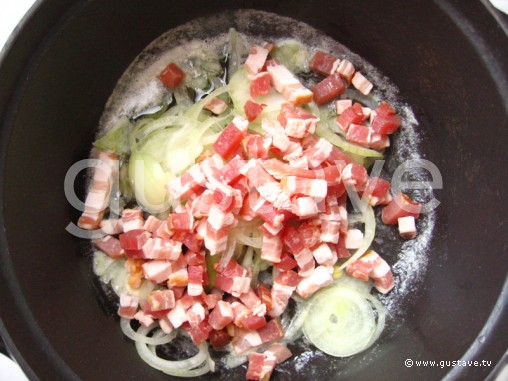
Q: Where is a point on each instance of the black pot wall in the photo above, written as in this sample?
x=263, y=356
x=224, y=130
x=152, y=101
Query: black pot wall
x=450, y=62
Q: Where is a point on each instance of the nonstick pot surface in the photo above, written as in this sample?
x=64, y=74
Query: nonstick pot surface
x=448, y=58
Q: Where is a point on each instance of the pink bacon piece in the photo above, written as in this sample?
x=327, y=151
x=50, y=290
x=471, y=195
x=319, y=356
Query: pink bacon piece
x=371, y=265
x=191, y=181
x=132, y=219
x=161, y=300
x=361, y=83
x=256, y=60
x=260, y=84
x=324, y=63
x=216, y=106
x=315, y=188
x=128, y=305
x=221, y=316
x=111, y=246
x=112, y=226
x=319, y=278
x=256, y=147
x=271, y=249
x=287, y=84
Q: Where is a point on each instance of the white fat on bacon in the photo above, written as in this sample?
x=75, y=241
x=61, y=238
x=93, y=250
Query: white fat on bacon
x=320, y=277
x=407, y=227
x=288, y=85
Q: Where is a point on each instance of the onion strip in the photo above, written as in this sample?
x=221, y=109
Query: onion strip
x=368, y=237
x=125, y=325
x=194, y=366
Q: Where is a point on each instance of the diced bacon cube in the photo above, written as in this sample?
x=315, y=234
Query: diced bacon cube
x=385, y=121
x=244, y=318
x=152, y=224
x=329, y=88
x=196, y=314
x=354, y=175
x=132, y=219
x=372, y=265
x=324, y=63
x=304, y=206
x=161, y=300
x=212, y=299
x=377, y=191
x=359, y=134
x=218, y=219
x=342, y=104
x=162, y=249
x=178, y=278
x=300, y=128
x=172, y=76
x=252, y=109
x=318, y=151
x=315, y=188
x=256, y=174
x=279, y=137
x=322, y=253
x=361, y=83
x=195, y=284
x=133, y=241
x=191, y=181
x=240, y=285
x=225, y=277
x=111, y=246
x=379, y=142
x=407, y=227
x=252, y=301
x=351, y=115
x=199, y=333
x=128, y=305
x=271, y=249
x=320, y=277
x=279, y=351
x=330, y=231
x=144, y=319
x=230, y=138
x=256, y=59
x=354, y=239
x=181, y=221
x=216, y=106
x=288, y=85
x=255, y=367
x=112, y=226
x=287, y=262
x=157, y=271
x=293, y=240
x=268, y=213
x=346, y=70
x=272, y=331
x=400, y=206
x=260, y=84
x=256, y=147
x=305, y=261
x=177, y=316
x=216, y=239
x=221, y=316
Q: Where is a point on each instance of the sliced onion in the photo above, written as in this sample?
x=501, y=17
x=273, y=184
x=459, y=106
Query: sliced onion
x=342, y=322
x=368, y=237
x=191, y=367
x=228, y=253
x=232, y=361
x=293, y=328
x=156, y=339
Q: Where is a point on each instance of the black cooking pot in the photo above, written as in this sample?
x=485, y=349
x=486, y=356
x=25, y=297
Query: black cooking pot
x=450, y=62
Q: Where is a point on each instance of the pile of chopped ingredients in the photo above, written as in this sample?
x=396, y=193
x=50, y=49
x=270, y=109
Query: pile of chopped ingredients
x=257, y=172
